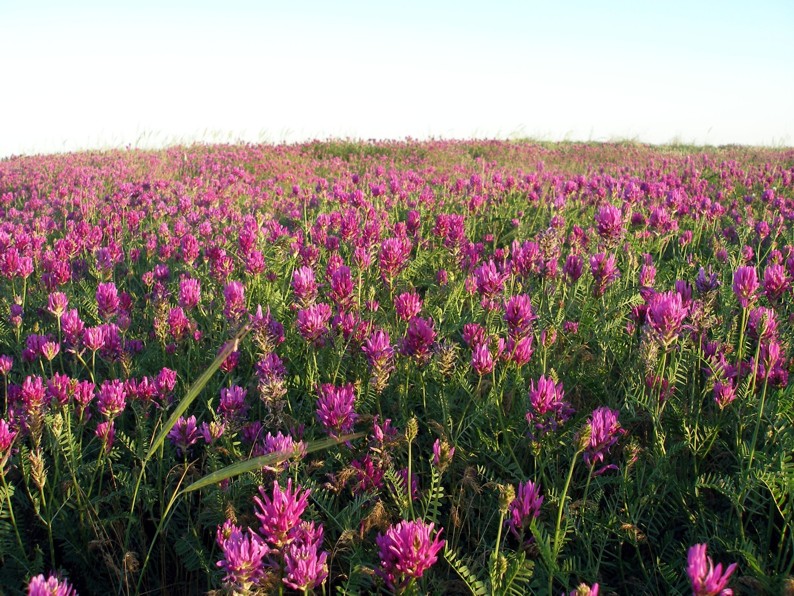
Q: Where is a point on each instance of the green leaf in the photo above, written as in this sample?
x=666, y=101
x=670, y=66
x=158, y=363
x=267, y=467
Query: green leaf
x=257, y=463
x=194, y=391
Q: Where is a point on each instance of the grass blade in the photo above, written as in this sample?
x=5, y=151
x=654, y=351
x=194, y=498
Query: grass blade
x=270, y=459
x=194, y=390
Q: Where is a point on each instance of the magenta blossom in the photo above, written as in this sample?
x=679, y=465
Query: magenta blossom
x=244, y=556
x=745, y=285
x=50, y=586
x=605, y=430
x=706, y=579
x=524, y=508
x=609, y=222
x=519, y=315
x=406, y=551
x=604, y=271
x=184, y=434
x=281, y=512
x=665, y=316
x=335, y=408
x=548, y=409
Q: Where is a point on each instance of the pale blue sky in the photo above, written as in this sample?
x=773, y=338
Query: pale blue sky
x=90, y=74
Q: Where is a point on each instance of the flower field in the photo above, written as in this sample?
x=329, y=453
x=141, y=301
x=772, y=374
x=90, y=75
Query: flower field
x=398, y=367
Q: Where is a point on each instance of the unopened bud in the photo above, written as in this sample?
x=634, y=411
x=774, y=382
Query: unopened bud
x=412, y=429
x=507, y=494
x=37, y=471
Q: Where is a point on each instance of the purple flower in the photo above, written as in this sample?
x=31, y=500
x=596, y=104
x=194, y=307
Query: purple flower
x=378, y=350
x=212, y=431
x=745, y=284
x=407, y=305
x=604, y=272
x=406, y=551
x=244, y=555
x=724, y=393
x=704, y=283
x=6, y=437
x=50, y=586
x=335, y=408
x=106, y=431
x=304, y=285
x=281, y=512
x=72, y=327
x=519, y=315
x=605, y=430
x=234, y=296
x=107, y=298
x=609, y=222
x=284, y=445
x=706, y=579
x=762, y=323
x=665, y=315
x=112, y=398
x=184, y=434
x=232, y=405
x=524, y=508
x=313, y=322
x=490, y=281
x=776, y=281
x=419, y=339
x=572, y=270
x=189, y=293
x=481, y=359
x=305, y=566
x=548, y=408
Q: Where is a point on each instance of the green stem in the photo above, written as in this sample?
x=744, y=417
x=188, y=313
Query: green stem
x=11, y=507
x=555, y=547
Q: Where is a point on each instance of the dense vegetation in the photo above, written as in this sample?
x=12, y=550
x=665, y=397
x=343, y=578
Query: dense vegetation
x=443, y=367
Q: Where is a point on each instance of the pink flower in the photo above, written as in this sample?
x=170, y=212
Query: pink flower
x=234, y=296
x=609, y=222
x=745, y=284
x=244, y=556
x=281, y=512
x=50, y=586
x=706, y=579
x=419, y=339
x=406, y=551
x=6, y=437
x=335, y=408
x=407, y=305
x=107, y=298
x=519, y=315
x=481, y=359
x=665, y=315
x=305, y=565
x=604, y=271
x=189, y=293
x=112, y=398
x=304, y=286
x=313, y=322
x=393, y=255
x=184, y=434
x=524, y=508
x=106, y=431
x=605, y=430
x=548, y=408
